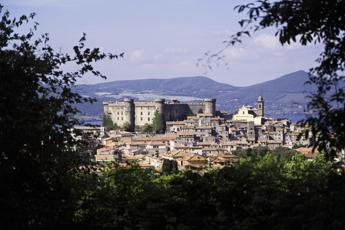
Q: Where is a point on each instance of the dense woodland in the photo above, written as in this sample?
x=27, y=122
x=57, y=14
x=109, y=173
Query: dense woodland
x=46, y=183
x=262, y=192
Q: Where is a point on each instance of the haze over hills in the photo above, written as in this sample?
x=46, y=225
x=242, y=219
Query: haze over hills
x=284, y=95
x=198, y=86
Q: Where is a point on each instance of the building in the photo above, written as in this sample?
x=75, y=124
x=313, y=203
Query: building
x=139, y=113
x=250, y=114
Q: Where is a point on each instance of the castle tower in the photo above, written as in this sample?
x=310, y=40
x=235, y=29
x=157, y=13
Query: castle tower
x=106, y=109
x=261, y=106
x=210, y=106
x=160, y=105
x=129, y=112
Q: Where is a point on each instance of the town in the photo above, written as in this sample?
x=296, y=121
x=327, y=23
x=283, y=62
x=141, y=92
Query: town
x=188, y=136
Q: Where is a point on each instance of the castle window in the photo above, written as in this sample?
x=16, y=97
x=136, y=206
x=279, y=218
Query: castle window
x=141, y=118
x=121, y=118
x=118, y=113
x=141, y=113
x=148, y=113
x=148, y=119
x=121, y=113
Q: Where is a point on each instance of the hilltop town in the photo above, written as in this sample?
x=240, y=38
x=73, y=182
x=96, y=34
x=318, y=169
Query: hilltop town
x=189, y=136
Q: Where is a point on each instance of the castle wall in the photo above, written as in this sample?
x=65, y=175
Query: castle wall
x=175, y=112
x=197, y=108
x=144, y=113
x=141, y=113
x=119, y=113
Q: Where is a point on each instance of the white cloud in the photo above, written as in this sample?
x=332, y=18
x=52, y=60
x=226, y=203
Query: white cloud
x=267, y=41
x=136, y=56
x=158, y=57
x=236, y=53
x=175, y=51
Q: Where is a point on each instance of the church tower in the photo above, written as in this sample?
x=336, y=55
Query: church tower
x=261, y=107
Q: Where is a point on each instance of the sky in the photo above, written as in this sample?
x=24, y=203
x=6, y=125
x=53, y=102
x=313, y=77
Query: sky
x=165, y=38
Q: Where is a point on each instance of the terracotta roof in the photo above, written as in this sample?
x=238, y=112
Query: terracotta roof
x=197, y=158
x=307, y=152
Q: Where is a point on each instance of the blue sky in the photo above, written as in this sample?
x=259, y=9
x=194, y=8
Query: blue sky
x=164, y=38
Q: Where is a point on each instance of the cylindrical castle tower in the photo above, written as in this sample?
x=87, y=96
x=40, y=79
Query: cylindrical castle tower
x=129, y=112
x=160, y=105
x=106, y=109
x=210, y=106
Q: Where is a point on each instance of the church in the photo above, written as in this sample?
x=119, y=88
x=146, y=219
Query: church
x=251, y=114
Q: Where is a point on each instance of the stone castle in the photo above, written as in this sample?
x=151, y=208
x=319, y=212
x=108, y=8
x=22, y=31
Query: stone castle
x=139, y=113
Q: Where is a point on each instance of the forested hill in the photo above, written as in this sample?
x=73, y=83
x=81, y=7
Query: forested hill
x=198, y=86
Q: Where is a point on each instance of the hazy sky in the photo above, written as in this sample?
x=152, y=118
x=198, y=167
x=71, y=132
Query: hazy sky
x=164, y=38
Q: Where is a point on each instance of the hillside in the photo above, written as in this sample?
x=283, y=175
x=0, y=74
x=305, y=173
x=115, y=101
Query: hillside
x=286, y=89
x=189, y=86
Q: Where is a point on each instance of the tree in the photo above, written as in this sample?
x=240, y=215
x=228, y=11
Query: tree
x=158, y=122
x=307, y=22
x=37, y=113
x=108, y=123
x=169, y=166
x=147, y=128
x=126, y=127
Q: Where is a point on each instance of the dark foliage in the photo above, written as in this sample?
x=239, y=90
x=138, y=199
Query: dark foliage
x=158, y=122
x=108, y=123
x=259, y=193
x=38, y=152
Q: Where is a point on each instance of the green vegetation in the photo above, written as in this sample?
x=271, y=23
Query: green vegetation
x=108, y=123
x=263, y=192
x=281, y=152
x=158, y=123
x=147, y=128
x=169, y=166
x=126, y=127
x=38, y=154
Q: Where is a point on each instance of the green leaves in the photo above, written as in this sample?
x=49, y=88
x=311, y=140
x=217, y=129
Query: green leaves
x=37, y=114
x=263, y=192
x=158, y=123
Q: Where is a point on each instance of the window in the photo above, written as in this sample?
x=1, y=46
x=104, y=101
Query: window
x=148, y=119
x=148, y=113
x=122, y=118
x=141, y=118
x=141, y=113
x=121, y=113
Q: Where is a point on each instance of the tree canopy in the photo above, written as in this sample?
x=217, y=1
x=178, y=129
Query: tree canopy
x=38, y=152
x=158, y=122
x=108, y=122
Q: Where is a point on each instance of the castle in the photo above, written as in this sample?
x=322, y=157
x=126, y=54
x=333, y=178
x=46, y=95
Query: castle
x=139, y=113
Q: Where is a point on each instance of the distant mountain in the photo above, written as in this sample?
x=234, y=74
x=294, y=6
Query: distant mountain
x=188, y=86
x=283, y=95
x=286, y=88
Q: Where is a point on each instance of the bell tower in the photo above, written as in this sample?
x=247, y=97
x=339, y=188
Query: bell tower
x=261, y=106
